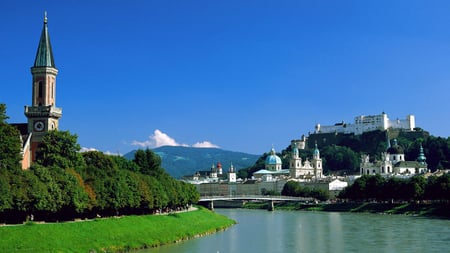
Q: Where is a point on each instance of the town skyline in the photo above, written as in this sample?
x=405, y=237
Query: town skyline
x=239, y=76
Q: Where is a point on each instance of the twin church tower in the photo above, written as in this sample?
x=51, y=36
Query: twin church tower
x=43, y=115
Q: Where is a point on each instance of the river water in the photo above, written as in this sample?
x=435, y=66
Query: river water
x=296, y=231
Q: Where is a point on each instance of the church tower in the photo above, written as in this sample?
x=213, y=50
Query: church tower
x=231, y=174
x=43, y=115
x=317, y=162
x=295, y=162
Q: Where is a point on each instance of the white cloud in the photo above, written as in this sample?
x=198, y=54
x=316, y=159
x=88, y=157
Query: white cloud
x=107, y=152
x=204, y=144
x=84, y=149
x=158, y=139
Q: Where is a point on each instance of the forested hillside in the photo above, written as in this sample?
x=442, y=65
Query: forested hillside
x=64, y=184
x=179, y=161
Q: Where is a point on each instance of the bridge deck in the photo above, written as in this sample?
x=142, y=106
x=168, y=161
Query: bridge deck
x=255, y=197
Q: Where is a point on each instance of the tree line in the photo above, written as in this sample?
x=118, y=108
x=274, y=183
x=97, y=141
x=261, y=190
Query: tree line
x=64, y=183
x=295, y=189
x=376, y=187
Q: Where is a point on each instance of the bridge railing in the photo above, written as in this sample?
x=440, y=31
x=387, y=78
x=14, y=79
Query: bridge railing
x=254, y=197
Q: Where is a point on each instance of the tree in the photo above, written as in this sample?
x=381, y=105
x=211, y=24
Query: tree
x=10, y=143
x=60, y=149
x=148, y=162
x=340, y=158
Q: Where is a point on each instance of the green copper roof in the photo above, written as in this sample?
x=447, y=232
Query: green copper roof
x=44, y=55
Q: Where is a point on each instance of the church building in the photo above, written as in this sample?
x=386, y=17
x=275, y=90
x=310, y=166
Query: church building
x=307, y=169
x=42, y=115
x=393, y=163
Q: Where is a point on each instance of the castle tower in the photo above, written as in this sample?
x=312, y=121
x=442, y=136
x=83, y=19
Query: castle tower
x=43, y=115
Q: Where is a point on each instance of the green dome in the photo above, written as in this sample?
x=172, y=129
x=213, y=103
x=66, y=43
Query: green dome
x=395, y=149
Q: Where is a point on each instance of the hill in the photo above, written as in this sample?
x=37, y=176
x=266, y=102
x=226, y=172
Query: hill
x=179, y=161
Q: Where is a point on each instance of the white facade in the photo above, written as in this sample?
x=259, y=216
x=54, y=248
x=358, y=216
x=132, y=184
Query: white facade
x=298, y=169
x=369, y=123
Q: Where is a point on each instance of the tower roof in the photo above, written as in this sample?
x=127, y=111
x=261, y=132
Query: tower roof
x=395, y=149
x=44, y=55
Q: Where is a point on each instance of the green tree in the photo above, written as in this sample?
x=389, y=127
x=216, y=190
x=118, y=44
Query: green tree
x=10, y=143
x=338, y=158
x=60, y=149
x=5, y=192
x=148, y=162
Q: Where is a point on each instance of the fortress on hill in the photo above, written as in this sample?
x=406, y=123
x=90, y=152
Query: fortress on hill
x=369, y=123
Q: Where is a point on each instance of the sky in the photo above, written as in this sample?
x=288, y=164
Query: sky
x=239, y=75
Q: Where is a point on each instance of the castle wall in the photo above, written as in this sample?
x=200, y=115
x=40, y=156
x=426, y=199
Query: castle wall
x=369, y=123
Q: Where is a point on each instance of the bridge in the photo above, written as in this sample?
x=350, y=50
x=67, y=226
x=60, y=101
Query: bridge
x=270, y=199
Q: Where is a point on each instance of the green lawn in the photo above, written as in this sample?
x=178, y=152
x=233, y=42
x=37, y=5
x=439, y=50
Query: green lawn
x=112, y=234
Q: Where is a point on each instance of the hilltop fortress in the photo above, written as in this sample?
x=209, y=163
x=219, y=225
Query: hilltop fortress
x=369, y=123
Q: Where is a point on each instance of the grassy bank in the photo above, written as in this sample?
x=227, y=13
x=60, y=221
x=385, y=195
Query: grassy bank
x=436, y=210
x=112, y=234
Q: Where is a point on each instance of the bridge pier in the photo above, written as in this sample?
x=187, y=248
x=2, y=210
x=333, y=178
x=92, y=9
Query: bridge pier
x=211, y=205
x=270, y=206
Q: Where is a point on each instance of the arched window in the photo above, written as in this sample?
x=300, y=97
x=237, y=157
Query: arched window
x=40, y=89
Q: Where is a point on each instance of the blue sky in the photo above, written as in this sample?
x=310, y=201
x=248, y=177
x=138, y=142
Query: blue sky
x=240, y=75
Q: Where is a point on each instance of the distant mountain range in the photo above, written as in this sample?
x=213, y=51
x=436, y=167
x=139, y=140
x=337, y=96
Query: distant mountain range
x=179, y=161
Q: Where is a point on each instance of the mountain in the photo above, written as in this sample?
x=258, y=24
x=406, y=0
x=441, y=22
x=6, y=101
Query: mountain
x=179, y=161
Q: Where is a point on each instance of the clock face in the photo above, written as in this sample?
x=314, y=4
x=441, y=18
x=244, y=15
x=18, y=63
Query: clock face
x=39, y=126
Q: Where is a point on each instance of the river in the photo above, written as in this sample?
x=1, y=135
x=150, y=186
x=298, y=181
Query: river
x=297, y=231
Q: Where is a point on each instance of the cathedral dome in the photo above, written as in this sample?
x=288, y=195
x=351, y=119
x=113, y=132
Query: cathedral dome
x=273, y=159
x=395, y=149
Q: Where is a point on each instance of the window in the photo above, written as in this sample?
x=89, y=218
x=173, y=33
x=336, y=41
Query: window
x=40, y=89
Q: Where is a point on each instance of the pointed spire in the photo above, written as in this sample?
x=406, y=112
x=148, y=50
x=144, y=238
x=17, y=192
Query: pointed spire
x=44, y=55
x=421, y=158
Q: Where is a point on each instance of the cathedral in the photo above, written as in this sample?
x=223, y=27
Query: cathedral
x=307, y=169
x=42, y=114
x=298, y=169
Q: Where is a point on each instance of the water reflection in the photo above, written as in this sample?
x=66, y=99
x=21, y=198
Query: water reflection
x=294, y=231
